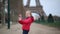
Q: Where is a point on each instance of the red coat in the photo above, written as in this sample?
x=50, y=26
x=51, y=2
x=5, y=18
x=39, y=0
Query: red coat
x=26, y=23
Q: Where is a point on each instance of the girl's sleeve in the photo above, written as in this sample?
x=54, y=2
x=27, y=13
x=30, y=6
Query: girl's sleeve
x=20, y=22
x=26, y=21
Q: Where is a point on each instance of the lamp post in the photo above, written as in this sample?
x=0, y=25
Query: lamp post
x=8, y=14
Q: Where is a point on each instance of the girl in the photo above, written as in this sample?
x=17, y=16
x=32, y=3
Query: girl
x=26, y=23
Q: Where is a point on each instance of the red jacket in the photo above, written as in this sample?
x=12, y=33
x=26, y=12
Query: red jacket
x=26, y=23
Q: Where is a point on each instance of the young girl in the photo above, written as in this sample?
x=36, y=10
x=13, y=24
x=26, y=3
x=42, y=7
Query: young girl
x=26, y=23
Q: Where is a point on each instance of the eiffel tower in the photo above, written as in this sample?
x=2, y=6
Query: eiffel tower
x=35, y=9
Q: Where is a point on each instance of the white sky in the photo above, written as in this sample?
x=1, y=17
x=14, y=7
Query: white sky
x=49, y=6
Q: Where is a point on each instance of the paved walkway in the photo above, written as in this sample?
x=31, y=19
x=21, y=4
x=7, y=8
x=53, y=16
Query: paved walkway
x=35, y=29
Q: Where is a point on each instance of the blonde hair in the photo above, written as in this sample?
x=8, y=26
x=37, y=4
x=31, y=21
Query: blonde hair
x=28, y=11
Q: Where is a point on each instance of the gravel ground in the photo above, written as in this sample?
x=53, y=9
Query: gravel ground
x=35, y=29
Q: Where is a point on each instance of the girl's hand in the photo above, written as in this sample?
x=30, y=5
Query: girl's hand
x=20, y=17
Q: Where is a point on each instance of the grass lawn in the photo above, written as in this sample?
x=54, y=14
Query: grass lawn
x=55, y=24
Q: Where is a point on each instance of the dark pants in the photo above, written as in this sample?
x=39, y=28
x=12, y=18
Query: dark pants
x=25, y=31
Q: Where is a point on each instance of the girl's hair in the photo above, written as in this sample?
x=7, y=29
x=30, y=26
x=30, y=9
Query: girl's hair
x=29, y=12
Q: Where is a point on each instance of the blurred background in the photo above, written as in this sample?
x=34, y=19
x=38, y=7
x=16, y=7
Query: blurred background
x=46, y=12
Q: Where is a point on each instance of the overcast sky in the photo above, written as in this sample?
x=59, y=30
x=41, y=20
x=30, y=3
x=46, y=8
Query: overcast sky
x=49, y=6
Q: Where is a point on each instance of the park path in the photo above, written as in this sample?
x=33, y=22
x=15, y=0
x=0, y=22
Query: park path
x=35, y=29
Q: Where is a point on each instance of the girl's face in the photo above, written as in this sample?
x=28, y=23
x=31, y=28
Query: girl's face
x=28, y=13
